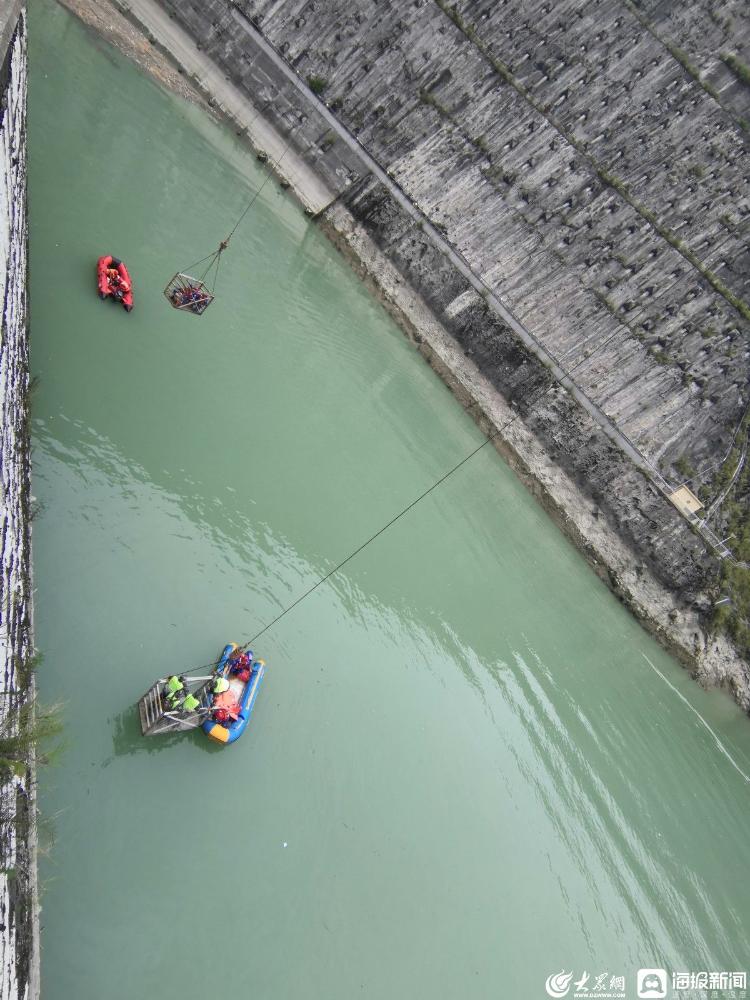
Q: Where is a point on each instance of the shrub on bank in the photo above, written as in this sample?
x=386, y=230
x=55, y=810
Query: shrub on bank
x=26, y=732
x=317, y=84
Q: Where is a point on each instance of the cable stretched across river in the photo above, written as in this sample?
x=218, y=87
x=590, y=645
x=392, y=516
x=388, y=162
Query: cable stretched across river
x=214, y=259
x=534, y=398
x=368, y=541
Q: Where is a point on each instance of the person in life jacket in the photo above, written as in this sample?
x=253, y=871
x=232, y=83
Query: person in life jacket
x=237, y=657
x=190, y=703
x=241, y=666
x=221, y=684
x=197, y=299
x=227, y=711
x=174, y=691
x=233, y=708
x=113, y=279
x=121, y=290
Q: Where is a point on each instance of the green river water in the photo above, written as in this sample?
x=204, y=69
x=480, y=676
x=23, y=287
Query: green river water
x=464, y=771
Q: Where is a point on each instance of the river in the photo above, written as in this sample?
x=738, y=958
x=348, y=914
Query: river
x=468, y=766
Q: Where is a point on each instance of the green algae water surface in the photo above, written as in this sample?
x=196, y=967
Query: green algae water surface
x=468, y=768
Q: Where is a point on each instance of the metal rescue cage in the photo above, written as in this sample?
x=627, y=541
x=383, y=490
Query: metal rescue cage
x=188, y=294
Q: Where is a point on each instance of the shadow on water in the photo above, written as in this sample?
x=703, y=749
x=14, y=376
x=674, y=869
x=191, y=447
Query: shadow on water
x=127, y=737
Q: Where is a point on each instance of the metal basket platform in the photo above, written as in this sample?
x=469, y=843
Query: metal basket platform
x=188, y=294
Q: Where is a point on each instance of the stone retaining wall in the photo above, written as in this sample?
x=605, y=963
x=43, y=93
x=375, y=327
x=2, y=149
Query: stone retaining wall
x=659, y=537
x=18, y=935
x=594, y=177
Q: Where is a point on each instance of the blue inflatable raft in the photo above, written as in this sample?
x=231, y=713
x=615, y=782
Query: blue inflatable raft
x=244, y=692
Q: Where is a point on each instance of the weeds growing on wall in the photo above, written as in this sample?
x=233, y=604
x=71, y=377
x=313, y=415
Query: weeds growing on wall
x=317, y=84
x=734, y=577
x=740, y=70
x=26, y=733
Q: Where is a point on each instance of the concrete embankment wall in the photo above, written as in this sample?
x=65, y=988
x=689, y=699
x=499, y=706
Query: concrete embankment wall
x=18, y=931
x=461, y=178
x=588, y=161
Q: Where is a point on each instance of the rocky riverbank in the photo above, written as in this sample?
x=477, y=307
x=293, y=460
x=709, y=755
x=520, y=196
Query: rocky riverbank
x=373, y=157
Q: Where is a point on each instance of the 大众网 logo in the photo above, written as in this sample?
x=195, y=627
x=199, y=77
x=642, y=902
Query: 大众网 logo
x=558, y=984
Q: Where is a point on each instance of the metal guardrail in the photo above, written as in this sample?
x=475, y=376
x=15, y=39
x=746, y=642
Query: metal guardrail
x=717, y=544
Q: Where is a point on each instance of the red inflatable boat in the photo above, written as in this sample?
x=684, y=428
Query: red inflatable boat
x=114, y=281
